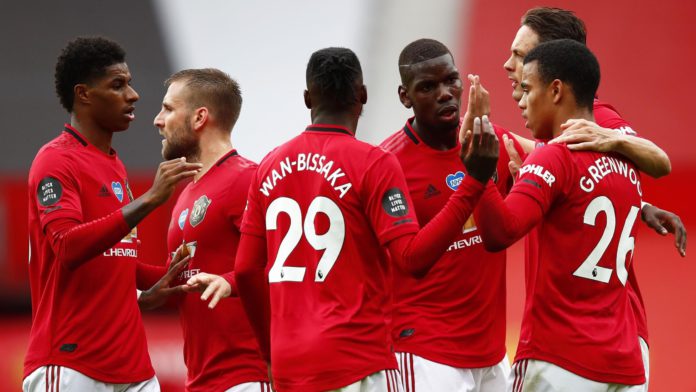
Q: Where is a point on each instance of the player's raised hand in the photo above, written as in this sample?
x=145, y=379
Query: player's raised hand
x=480, y=154
x=581, y=134
x=158, y=294
x=664, y=222
x=168, y=175
x=212, y=286
x=515, y=161
x=479, y=100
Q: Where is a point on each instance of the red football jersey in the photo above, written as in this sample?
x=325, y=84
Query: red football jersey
x=455, y=314
x=86, y=319
x=577, y=312
x=220, y=349
x=326, y=204
x=606, y=116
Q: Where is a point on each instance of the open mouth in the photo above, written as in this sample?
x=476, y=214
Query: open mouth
x=130, y=113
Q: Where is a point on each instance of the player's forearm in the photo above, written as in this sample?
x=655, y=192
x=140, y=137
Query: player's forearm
x=75, y=243
x=648, y=157
x=138, y=209
x=418, y=253
x=254, y=292
x=504, y=222
x=147, y=275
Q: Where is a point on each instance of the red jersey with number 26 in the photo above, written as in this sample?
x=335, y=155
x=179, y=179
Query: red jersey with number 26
x=326, y=204
x=220, y=349
x=606, y=116
x=577, y=313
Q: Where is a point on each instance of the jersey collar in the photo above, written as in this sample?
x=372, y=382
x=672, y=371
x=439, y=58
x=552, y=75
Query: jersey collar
x=413, y=136
x=70, y=130
x=329, y=128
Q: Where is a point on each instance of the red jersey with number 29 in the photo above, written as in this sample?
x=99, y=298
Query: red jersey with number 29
x=327, y=204
x=577, y=313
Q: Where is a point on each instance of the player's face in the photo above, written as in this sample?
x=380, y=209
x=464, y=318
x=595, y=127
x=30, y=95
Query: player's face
x=175, y=123
x=536, y=103
x=112, y=99
x=525, y=40
x=435, y=93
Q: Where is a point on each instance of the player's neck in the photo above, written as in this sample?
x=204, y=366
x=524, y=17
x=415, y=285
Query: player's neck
x=441, y=140
x=211, y=150
x=98, y=137
x=571, y=113
x=346, y=120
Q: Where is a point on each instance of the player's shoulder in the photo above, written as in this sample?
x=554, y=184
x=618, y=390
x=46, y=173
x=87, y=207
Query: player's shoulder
x=58, y=152
x=554, y=151
x=398, y=141
x=235, y=162
x=601, y=105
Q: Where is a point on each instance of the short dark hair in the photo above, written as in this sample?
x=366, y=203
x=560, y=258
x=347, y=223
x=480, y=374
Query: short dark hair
x=555, y=23
x=418, y=51
x=213, y=89
x=335, y=74
x=570, y=62
x=83, y=60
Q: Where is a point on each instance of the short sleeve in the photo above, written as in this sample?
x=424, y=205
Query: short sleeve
x=253, y=222
x=388, y=202
x=545, y=174
x=55, y=188
x=606, y=116
x=237, y=199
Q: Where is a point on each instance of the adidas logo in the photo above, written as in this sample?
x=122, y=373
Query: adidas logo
x=104, y=192
x=431, y=191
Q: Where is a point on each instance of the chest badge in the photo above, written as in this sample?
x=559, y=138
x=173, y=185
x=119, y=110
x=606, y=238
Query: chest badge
x=453, y=180
x=118, y=190
x=200, y=207
x=182, y=218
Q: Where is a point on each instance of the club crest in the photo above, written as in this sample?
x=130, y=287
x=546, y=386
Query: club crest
x=182, y=218
x=199, y=209
x=453, y=180
x=118, y=190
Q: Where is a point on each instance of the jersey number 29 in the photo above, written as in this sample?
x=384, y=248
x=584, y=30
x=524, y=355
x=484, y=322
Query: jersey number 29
x=331, y=241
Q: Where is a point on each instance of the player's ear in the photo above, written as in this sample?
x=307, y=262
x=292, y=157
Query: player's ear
x=363, y=94
x=557, y=89
x=307, y=99
x=403, y=97
x=200, y=118
x=81, y=94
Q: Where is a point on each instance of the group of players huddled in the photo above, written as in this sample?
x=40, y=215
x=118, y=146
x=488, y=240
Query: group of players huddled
x=337, y=265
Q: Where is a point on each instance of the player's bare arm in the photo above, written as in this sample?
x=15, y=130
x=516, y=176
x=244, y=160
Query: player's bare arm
x=664, y=222
x=586, y=135
x=168, y=175
x=158, y=294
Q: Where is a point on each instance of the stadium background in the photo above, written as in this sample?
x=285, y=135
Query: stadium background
x=645, y=50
